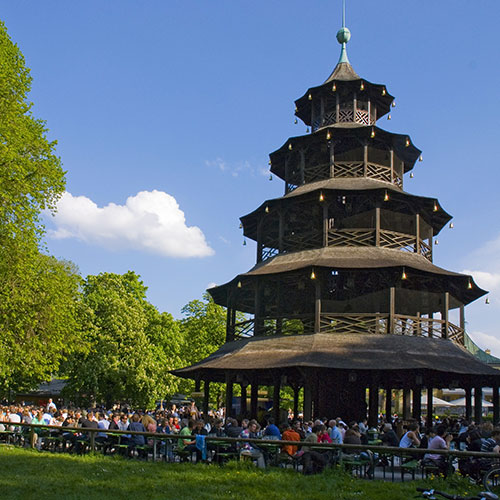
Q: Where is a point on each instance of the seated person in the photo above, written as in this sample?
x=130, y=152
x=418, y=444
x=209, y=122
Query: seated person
x=271, y=431
x=388, y=436
x=186, y=443
x=411, y=438
x=439, y=440
x=289, y=435
x=249, y=449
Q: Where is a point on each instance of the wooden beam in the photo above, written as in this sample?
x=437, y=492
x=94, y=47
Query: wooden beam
x=430, y=409
x=243, y=399
x=417, y=403
x=254, y=398
x=276, y=400
x=332, y=160
x=478, y=405
x=496, y=409
x=392, y=165
x=417, y=234
x=392, y=308
x=373, y=404
x=445, y=318
x=206, y=397
x=317, y=306
x=365, y=159
x=229, y=395
x=388, y=405
x=406, y=404
x=468, y=404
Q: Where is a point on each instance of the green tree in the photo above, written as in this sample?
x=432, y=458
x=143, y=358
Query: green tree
x=41, y=322
x=203, y=330
x=38, y=295
x=131, y=345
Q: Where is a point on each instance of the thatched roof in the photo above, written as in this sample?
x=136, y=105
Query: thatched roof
x=382, y=352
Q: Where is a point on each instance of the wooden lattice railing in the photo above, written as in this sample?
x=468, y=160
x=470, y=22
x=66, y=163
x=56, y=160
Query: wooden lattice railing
x=366, y=237
x=351, y=324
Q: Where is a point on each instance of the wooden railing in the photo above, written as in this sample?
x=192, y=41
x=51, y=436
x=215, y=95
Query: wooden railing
x=347, y=169
x=350, y=323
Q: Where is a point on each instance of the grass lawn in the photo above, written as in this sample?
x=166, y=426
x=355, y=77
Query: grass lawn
x=28, y=474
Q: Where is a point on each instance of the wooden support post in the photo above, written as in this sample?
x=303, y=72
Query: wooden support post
x=468, y=404
x=373, y=405
x=495, y=401
x=254, y=398
x=478, y=405
x=392, y=308
x=337, y=108
x=302, y=167
x=462, y=317
x=325, y=224
x=332, y=160
x=445, y=314
x=418, y=326
x=406, y=404
x=307, y=411
x=287, y=174
x=276, y=400
x=417, y=403
x=197, y=385
x=354, y=107
x=206, y=397
x=322, y=111
x=388, y=405
x=229, y=395
x=392, y=165
x=229, y=326
x=430, y=409
x=365, y=159
x=377, y=226
x=260, y=246
x=296, y=390
x=369, y=112
x=417, y=234
x=317, y=306
x=257, y=320
x=243, y=400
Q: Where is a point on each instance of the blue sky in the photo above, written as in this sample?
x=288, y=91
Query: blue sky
x=165, y=112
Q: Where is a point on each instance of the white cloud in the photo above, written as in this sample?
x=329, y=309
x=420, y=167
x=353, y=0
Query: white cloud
x=487, y=341
x=150, y=221
x=237, y=168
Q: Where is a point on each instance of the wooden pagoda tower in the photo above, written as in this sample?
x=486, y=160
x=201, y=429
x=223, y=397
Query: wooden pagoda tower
x=344, y=296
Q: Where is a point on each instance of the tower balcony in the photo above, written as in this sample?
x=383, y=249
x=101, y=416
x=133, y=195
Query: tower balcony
x=380, y=323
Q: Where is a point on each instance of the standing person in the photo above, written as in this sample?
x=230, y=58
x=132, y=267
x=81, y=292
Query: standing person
x=51, y=405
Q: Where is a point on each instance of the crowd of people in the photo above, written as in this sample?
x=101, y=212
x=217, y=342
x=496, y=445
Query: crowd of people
x=191, y=428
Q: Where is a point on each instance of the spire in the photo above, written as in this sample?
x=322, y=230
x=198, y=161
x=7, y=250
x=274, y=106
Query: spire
x=343, y=36
x=343, y=70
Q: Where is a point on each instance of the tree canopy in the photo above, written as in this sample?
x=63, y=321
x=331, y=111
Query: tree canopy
x=38, y=294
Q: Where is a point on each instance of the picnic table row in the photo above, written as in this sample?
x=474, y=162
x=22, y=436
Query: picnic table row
x=162, y=446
